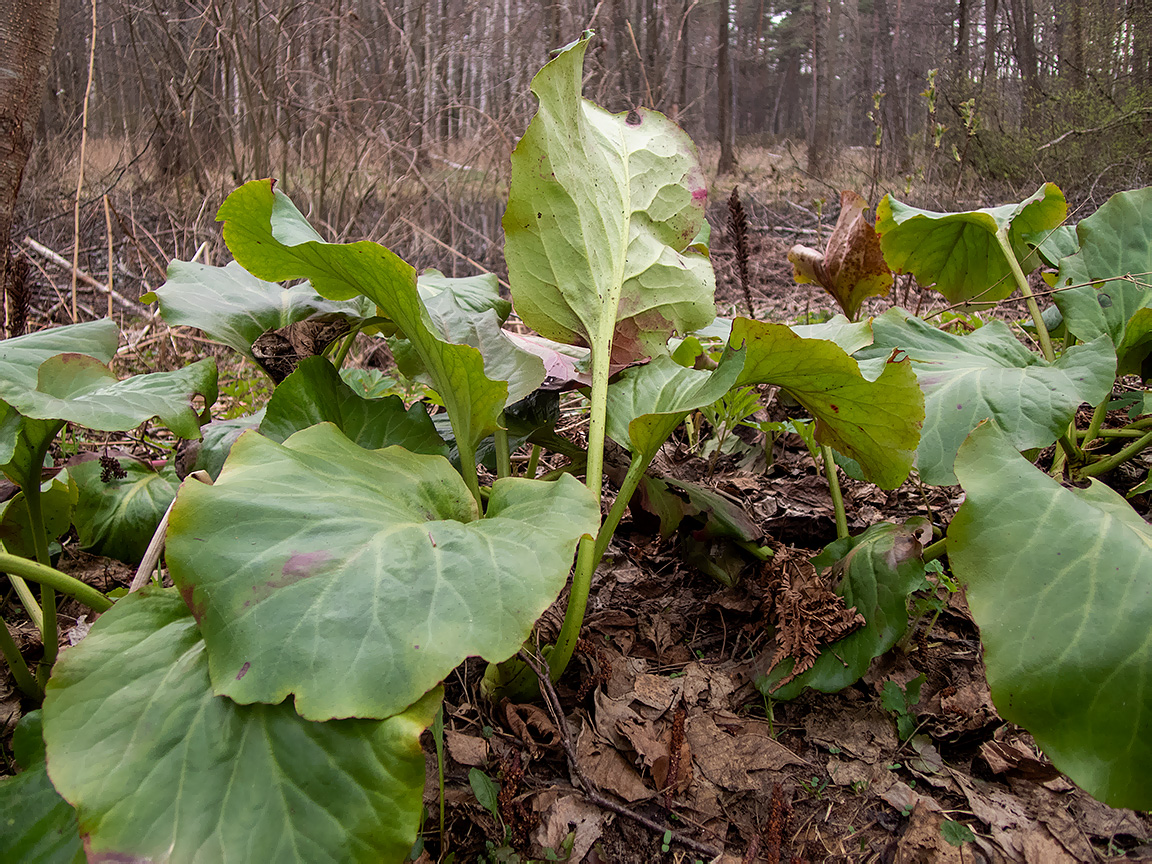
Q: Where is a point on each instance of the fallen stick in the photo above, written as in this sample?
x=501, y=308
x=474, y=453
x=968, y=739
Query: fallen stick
x=60, y=261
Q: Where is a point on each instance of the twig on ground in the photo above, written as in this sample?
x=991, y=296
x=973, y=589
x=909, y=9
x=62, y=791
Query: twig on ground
x=60, y=261
x=540, y=667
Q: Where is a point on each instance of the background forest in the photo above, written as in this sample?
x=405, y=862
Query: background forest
x=371, y=114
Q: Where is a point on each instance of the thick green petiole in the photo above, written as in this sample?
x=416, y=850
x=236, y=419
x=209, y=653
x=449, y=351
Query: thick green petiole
x=834, y=488
x=1109, y=462
x=24, y=680
x=51, y=578
x=1029, y=299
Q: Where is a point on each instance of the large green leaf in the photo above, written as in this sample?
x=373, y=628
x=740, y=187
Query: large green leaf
x=988, y=373
x=57, y=501
x=118, y=518
x=160, y=769
x=877, y=423
x=216, y=443
x=602, y=216
x=460, y=324
x=357, y=579
x=1060, y=583
x=37, y=826
x=315, y=393
x=874, y=572
x=81, y=389
x=21, y=358
x=958, y=253
x=477, y=293
x=646, y=403
x=1115, y=242
x=270, y=238
x=234, y=307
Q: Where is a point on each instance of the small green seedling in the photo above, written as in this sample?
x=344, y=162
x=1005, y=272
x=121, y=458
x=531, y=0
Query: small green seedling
x=956, y=833
x=900, y=701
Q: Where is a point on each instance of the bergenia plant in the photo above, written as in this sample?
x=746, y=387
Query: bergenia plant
x=347, y=557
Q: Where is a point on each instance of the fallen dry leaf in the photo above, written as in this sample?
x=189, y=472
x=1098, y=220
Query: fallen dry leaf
x=744, y=762
x=524, y=720
x=560, y=814
x=466, y=749
x=922, y=842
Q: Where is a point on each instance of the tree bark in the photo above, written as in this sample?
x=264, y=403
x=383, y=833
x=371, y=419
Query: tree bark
x=963, y=25
x=1024, y=48
x=27, y=30
x=725, y=116
x=895, y=124
x=820, y=133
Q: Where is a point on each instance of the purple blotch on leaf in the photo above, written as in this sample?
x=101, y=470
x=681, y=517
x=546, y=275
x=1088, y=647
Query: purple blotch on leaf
x=243, y=670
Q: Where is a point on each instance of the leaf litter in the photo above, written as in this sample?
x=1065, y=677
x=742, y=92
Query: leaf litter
x=665, y=720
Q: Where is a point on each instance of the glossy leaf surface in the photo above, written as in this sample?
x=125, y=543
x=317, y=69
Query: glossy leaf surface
x=118, y=518
x=234, y=307
x=1059, y=581
x=1116, y=255
x=272, y=240
x=877, y=423
x=315, y=393
x=159, y=768
x=648, y=402
x=957, y=253
x=358, y=579
x=988, y=373
x=36, y=824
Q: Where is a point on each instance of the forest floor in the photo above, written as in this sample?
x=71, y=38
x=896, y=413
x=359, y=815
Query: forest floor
x=664, y=750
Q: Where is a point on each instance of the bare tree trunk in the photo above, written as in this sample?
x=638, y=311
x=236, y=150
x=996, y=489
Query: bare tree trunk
x=820, y=132
x=895, y=123
x=963, y=24
x=725, y=116
x=1024, y=48
x=27, y=30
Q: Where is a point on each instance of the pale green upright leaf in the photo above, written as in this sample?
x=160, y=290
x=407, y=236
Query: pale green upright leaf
x=234, y=307
x=957, y=253
x=602, y=216
x=988, y=373
x=1115, y=242
x=160, y=769
x=357, y=579
x=876, y=423
x=1060, y=583
x=272, y=240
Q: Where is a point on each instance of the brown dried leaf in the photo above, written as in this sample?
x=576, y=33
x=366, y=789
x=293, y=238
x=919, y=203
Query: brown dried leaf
x=523, y=720
x=853, y=258
x=466, y=749
x=808, y=614
x=748, y=761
